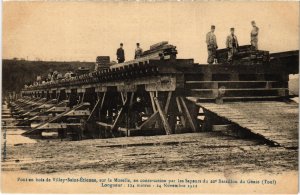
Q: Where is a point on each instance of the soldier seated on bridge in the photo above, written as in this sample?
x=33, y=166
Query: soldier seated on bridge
x=54, y=75
x=121, y=54
x=232, y=45
x=138, y=51
x=49, y=76
x=59, y=76
x=69, y=74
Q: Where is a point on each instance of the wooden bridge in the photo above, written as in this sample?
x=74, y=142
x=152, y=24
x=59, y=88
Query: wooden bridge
x=166, y=96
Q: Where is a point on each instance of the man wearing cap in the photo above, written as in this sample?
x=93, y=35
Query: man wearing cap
x=254, y=36
x=138, y=51
x=121, y=54
x=212, y=45
x=231, y=44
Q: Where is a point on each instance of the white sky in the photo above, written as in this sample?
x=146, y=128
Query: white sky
x=81, y=31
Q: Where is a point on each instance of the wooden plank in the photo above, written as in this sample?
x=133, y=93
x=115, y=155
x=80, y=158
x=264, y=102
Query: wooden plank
x=131, y=99
x=40, y=118
x=188, y=115
x=53, y=126
x=180, y=112
x=198, y=99
x=237, y=117
x=94, y=109
x=152, y=119
x=262, y=118
x=122, y=112
x=152, y=101
x=40, y=127
x=125, y=130
x=192, y=99
x=189, y=82
x=57, y=96
x=46, y=106
x=118, y=119
x=257, y=93
x=241, y=89
x=223, y=127
x=123, y=97
x=244, y=69
x=163, y=117
x=58, y=109
x=102, y=101
x=46, y=111
x=168, y=101
x=82, y=97
x=78, y=113
x=104, y=124
x=31, y=114
x=130, y=108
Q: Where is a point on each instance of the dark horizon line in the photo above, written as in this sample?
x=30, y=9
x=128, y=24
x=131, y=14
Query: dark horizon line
x=22, y=59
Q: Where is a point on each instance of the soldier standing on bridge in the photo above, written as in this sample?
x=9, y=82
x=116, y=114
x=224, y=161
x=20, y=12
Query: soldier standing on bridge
x=232, y=45
x=254, y=36
x=138, y=51
x=212, y=45
x=121, y=54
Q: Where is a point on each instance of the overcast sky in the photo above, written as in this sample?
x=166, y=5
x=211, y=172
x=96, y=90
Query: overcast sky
x=81, y=31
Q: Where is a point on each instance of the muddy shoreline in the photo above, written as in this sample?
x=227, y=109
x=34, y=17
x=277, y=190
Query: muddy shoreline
x=207, y=152
x=193, y=152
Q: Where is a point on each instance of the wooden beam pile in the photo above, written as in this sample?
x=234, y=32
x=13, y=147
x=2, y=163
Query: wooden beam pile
x=245, y=55
x=102, y=62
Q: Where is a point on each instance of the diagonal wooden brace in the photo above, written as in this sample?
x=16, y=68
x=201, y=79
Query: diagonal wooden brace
x=188, y=115
x=150, y=121
x=163, y=117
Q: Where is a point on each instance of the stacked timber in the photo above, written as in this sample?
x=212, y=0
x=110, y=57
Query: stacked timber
x=82, y=71
x=245, y=56
x=159, y=51
x=162, y=49
x=157, y=45
x=102, y=62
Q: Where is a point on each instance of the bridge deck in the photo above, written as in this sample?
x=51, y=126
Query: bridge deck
x=275, y=121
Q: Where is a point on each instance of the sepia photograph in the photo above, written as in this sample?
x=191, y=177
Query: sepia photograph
x=150, y=97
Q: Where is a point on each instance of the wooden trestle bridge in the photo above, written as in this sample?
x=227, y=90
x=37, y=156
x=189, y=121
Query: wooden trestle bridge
x=160, y=94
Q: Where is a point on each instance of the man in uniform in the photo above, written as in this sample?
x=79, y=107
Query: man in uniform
x=138, y=51
x=121, y=54
x=254, y=36
x=212, y=45
x=231, y=44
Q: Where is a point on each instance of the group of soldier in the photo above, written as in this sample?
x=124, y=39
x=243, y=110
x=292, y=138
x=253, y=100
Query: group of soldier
x=121, y=53
x=231, y=43
x=54, y=75
x=212, y=46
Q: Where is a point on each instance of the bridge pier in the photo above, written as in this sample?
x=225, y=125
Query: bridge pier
x=73, y=97
x=62, y=95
